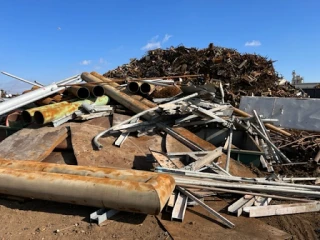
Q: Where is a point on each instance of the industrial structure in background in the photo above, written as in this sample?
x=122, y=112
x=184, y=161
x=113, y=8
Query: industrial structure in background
x=312, y=89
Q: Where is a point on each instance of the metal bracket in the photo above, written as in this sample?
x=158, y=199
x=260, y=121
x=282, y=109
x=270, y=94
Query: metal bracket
x=102, y=215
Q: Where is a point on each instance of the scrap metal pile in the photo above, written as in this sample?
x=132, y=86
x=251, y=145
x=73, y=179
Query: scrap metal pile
x=197, y=142
x=241, y=74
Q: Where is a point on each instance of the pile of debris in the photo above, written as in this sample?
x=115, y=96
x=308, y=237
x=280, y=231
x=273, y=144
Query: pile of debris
x=196, y=143
x=241, y=74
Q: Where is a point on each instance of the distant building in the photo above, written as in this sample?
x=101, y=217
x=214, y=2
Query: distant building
x=309, y=88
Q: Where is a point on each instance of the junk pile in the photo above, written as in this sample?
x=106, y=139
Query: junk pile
x=241, y=74
x=182, y=127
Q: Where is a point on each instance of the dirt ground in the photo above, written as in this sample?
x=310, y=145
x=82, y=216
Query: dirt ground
x=36, y=219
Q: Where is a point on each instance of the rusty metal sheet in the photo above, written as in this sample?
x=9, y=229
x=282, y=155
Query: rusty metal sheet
x=132, y=152
x=65, y=144
x=32, y=143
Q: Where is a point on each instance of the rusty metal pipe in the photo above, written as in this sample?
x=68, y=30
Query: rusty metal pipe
x=133, y=87
x=146, y=88
x=114, y=84
x=118, y=96
x=57, y=111
x=95, y=90
x=142, y=197
x=80, y=92
x=27, y=115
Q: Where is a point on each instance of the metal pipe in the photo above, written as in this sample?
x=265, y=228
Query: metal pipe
x=268, y=125
x=68, y=80
x=143, y=197
x=210, y=210
x=133, y=87
x=264, y=131
x=260, y=188
x=246, y=193
x=229, y=149
x=141, y=99
x=284, y=157
x=29, y=97
x=27, y=115
x=47, y=115
x=229, y=178
x=146, y=88
x=119, y=96
x=21, y=79
x=95, y=90
x=80, y=92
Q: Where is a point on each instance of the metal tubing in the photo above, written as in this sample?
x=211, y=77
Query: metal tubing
x=210, y=210
x=119, y=96
x=95, y=90
x=47, y=115
x=68, y=80
x=246, y=193
x=142, y=197
x=229, y=178
x=259, y=188
x=229, y=149
x=29, y=97
x=80, y=92
x=268, y=125
x=133, y=87
x=21, y=79
x=264, y=131
x=146, y=88
x=284, y=157
x=141, y=99
x=27, y=115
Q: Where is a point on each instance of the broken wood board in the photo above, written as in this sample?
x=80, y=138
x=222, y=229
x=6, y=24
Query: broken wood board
x=199, y=224
x=236, y=168
x=64, y=157
x=284, y=209
x=132, y=152
x=33, y=144
x=237, y=207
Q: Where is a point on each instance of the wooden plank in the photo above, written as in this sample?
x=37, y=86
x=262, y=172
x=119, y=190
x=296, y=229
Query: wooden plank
x=32, y=143
x=282, y=209
x=261, y=201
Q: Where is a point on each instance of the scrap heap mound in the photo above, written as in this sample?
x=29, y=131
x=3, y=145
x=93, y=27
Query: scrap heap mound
x=242, y=74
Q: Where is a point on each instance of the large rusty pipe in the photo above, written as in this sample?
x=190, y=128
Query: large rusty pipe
x=27, y=115
x=119, y=96
x=143, y=197
x=114, y=84
x=46, y=115
x=80, y=92
x=95, y=90
x=100, y=172
x=133, y=87
x=146, y=88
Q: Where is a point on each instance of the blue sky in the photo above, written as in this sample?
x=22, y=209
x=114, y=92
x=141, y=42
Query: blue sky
x=48, y=40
